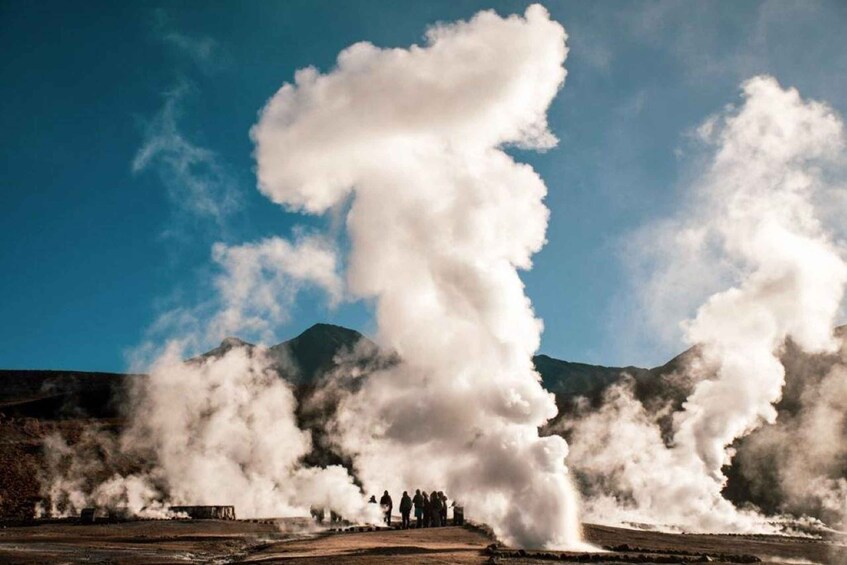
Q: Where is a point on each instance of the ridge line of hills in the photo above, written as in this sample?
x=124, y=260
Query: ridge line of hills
x=57, y=393
x=37, y=403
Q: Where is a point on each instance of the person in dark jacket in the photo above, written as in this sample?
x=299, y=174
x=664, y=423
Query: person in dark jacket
x=317, y=514
x=443, y=507
x=418, y=503
x=387, y=505
x=458, y=513
x=427, y=511
x=405, y=510
x=435, y=501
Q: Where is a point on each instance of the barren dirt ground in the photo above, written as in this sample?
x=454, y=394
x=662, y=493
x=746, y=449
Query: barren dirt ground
x=205, y=541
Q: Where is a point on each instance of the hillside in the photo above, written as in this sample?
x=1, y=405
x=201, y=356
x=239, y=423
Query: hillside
x=64, y=395
x=46, y=394
x=36, y=403
x=302, y=360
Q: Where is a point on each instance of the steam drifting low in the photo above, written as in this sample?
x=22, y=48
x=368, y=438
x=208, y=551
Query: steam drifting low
x=218, y=429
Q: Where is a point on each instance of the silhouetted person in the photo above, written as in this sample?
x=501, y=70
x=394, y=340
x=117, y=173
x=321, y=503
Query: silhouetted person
x=427, y=511
x=435, y=501
x=405, y=510
x=386, y=504
x=372, y=500
x=417, y=501
x=317, y=514
x=458, y=514
x=443, y=507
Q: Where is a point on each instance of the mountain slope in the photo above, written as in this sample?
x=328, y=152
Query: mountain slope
x=302, y=360
x=323, y=363
x=61, y=394
x=316, y=351
x=569, y=379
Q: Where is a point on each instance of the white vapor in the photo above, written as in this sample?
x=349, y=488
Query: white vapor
x=808, y=480
x=222, y=431
x=762, y=187
x=250, y=295
x=260, y=282
x=441, y=219
x=217, y=429
x=214, y=430
x=756, y=216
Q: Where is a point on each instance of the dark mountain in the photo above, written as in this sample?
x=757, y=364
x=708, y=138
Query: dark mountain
x=579, y=379
x=317, y=350
x=302, y=360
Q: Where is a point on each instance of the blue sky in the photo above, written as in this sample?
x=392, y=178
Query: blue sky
x=97, y=241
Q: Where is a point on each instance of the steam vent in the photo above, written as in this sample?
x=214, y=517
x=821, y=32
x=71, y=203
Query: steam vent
x=206, y=512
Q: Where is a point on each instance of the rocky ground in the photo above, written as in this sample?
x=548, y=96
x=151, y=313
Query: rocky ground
x=294, y=541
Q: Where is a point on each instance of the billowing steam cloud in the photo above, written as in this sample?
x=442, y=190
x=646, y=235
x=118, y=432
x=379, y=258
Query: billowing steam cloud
x=441, y=219
x=799, y=464
x=218, y=429
x=223, y=429
x=260, y=281
x=757, y=210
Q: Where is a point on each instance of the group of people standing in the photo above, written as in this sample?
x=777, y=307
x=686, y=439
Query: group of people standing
x=430, y=509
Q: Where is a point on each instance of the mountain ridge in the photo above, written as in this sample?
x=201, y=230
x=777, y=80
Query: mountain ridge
x=323, y=363
x=302, y=360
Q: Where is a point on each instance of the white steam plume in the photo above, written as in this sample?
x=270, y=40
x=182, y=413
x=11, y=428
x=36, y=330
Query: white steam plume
x=440, y=221
x=222, y=431
x=756, y=210
x=798, y=465
x=762, y=187
x=218, y=429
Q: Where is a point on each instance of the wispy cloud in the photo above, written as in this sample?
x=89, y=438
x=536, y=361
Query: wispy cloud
x=198, y=181
x=197, y=184
x=203, y=51
x=259, y=282
x=250, y=292
x=591, y=48
x=772, y=37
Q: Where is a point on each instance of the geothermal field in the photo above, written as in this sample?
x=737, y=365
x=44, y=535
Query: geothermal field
x=61, y=433
x=476, y=195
